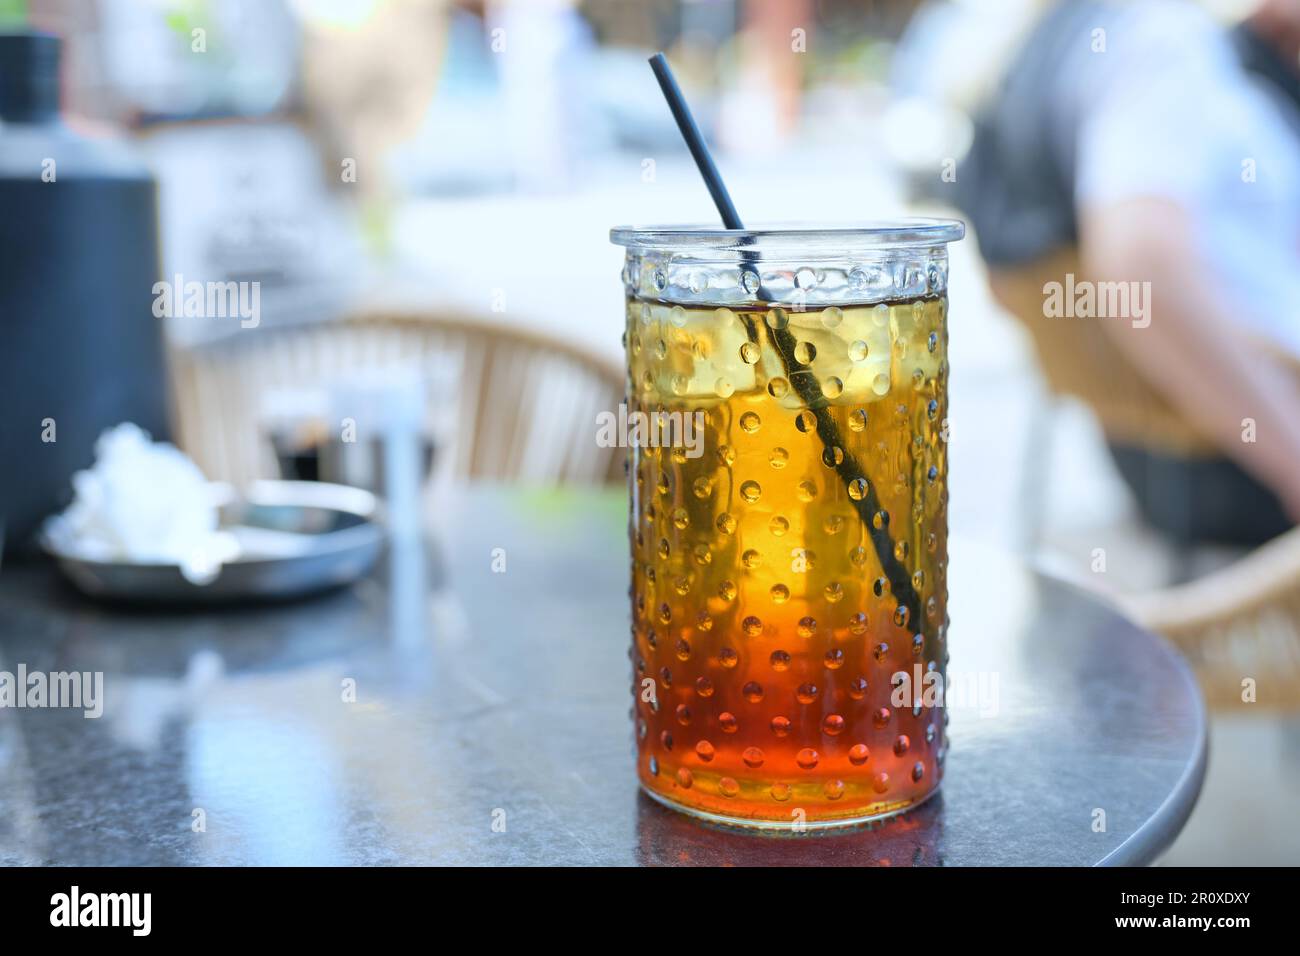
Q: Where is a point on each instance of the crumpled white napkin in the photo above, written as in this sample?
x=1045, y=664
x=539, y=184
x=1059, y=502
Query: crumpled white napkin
x=143, y=502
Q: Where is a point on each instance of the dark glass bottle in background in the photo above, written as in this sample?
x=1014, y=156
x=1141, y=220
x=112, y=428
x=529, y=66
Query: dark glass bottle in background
x=80, y=349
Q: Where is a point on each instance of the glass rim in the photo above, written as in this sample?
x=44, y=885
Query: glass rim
x=907, y=231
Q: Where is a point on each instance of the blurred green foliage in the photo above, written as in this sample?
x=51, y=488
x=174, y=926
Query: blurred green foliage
x=184, y=15
x=13, y=13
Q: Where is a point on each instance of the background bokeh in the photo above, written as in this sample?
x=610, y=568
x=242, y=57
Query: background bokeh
x=495, y=143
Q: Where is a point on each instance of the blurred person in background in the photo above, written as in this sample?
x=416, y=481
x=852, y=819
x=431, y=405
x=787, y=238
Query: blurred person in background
x=462, y=96
x=1166, y=148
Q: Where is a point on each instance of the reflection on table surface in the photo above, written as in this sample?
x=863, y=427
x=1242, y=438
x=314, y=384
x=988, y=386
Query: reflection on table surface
x=397, y=721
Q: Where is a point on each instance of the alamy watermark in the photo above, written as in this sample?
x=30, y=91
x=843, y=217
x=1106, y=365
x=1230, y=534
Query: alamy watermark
x=208, y=300
x=657, y=429
x=1083, y=299
x=78, y=690
x=926, y=689
x=74, y=908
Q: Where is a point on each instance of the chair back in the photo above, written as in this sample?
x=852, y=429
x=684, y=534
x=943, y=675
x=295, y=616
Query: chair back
x=526, y=411
x=1079, y=358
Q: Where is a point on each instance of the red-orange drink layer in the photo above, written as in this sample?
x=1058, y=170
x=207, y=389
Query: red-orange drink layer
x=787, y=572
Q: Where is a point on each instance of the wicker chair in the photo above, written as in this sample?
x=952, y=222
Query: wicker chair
x=1078, y=361
x=527, y=404
x=1236, y=624
x=1240, y=622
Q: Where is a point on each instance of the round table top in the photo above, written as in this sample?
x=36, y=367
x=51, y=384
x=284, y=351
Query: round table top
x=483, y=719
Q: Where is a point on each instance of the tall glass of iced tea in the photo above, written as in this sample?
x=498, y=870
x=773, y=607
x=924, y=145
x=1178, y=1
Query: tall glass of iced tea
x=786, y=423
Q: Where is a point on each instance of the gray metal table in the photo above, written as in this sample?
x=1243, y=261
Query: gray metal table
x=226, y=737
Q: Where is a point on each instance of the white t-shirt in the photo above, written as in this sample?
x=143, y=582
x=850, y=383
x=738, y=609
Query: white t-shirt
x=1168, y=111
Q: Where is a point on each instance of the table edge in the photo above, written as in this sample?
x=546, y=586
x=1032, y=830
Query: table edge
x=1145, y=844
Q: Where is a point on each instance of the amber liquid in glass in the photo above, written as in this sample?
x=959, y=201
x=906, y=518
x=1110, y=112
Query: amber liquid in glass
x=783, y=576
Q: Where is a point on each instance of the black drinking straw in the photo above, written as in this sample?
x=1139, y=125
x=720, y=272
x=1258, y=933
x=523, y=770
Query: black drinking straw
x=802, y=380
x=695, y=142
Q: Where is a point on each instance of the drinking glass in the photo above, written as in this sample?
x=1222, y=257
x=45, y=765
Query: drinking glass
x=786, y=422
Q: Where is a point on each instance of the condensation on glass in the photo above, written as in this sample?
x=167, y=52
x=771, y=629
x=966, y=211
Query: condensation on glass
x=789, y=621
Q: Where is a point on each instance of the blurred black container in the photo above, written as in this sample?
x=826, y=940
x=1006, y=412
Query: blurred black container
x=81, y=348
